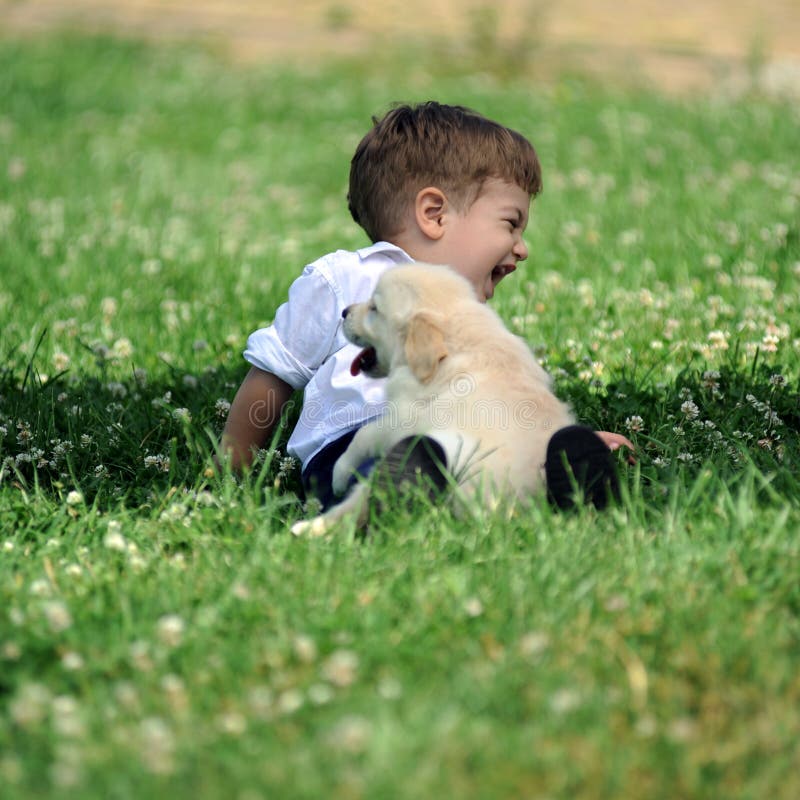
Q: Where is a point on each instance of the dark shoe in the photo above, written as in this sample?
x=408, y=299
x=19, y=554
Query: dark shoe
x=417, y=460
x=580, y=464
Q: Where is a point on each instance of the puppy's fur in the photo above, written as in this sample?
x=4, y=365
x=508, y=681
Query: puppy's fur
x=456, y=374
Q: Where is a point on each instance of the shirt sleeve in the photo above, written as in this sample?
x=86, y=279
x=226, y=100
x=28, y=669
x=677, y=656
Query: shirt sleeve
x=302, y=334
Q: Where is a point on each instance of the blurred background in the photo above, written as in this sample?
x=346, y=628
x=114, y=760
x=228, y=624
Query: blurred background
x=678, y=46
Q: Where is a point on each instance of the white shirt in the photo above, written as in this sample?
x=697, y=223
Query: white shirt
x=306, y=347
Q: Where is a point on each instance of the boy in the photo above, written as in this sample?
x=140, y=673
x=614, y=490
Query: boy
x=433, y=183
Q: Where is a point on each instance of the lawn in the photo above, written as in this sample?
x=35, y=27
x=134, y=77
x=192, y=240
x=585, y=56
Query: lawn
x=161, y=632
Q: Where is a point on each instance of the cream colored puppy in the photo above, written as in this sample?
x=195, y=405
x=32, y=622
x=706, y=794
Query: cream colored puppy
x=456, y=374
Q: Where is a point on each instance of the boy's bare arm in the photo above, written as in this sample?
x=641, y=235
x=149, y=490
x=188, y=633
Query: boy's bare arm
x=254, y=413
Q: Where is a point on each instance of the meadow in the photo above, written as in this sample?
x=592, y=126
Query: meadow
x=161, y=632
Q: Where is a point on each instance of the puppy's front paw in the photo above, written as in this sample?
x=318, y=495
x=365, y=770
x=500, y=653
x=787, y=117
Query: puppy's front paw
x=310, y=527
x=342, y=472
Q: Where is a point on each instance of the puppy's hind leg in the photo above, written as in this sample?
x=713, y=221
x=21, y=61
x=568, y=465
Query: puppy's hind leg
x=417, y=460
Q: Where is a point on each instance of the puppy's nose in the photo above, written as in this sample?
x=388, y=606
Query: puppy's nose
x=345, y=311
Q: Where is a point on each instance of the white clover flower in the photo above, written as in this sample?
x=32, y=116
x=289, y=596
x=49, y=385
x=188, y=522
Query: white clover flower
x=10, y=651
x=72, y=661
x=718, y=340
x=222, y=407
x=117, y=389
x=289, y=701
x=629, y=238
x=634, y=423
x=41, y=588
x=16, y=168
x=182, y=415
x=57, y=615
x=175, y=692
x=690, y=410
x=61, y=361
x=74, y=498
x=473, y=607
x=24, y=434
x=770, y=342
x=30, y=705
x=232, y=723
x=351, y=734
x=109, y=306
x=260, y=701
x=170, y=629
x=711, y=379
x=340, y=668
x=390, y=688
x=533, y=644
x=565, y=700
x=305, y=648
x=320, y=693
x=159, y=462
x=114, y=540
x=157, y=746
x=286, y=465
x=126, y=695
x=67, y=717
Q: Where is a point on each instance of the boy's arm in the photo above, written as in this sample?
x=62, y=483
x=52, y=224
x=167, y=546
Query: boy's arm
x=254, y=413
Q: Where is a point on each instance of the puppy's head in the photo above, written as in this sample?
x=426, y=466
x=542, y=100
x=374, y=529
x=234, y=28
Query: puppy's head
x=403, y=321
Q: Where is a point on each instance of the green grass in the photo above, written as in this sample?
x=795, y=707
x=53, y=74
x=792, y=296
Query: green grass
x=162, y=634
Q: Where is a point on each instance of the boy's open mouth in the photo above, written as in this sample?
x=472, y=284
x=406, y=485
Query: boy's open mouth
x=366, y=360
x=500, y=271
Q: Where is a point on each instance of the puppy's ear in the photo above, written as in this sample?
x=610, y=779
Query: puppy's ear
x=424, y=347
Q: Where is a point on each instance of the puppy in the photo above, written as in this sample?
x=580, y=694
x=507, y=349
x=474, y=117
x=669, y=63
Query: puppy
x=455, y=374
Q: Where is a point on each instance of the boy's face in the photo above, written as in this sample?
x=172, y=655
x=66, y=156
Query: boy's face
x=484, y=243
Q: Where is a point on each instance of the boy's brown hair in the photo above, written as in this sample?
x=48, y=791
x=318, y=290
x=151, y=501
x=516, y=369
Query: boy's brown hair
x=431, y=144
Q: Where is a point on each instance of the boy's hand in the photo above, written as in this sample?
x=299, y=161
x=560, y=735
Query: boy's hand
x=614, y=441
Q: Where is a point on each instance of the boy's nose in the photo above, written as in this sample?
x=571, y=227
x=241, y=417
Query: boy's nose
x=521, y=250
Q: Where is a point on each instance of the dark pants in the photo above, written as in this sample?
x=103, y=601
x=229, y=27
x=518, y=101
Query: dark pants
x=318, y=475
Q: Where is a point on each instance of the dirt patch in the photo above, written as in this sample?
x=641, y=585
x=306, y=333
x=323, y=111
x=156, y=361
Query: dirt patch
x=681, y=45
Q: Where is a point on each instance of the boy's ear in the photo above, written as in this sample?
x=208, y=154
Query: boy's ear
x=430, y=206
x=424, y=346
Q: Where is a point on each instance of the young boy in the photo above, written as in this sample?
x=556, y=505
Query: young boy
x=433, y=183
